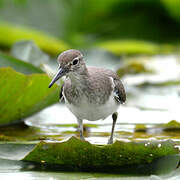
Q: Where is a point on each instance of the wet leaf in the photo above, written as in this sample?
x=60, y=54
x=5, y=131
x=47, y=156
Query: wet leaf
x=128, y=47
x=22, y=95
x=172, y=126
x=29, y=52
x=172, y=7
x=47, y=43
x=75, y=154
x=133, y=67
x=172, y=123
x=140, y=128
x=20, y=66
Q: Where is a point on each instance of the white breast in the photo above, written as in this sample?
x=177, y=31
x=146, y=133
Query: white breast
x=93, y=112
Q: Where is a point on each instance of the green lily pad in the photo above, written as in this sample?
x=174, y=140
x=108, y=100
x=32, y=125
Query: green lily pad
x=75, y=154
x=172, y=126
x=172, y=123
x=133, y=67
x=172, y=7
x=20, y=66
x=22, y=95
x=140, y=128
x=160, y=84
x=47, y=43
x=130, y=47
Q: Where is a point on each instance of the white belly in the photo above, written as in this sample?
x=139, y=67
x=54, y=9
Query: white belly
x=88, y=111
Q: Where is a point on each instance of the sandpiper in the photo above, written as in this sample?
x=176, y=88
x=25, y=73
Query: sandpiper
x=90, y=93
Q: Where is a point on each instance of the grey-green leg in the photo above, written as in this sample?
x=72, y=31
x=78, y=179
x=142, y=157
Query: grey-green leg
x=114, y=117
x=80, y=128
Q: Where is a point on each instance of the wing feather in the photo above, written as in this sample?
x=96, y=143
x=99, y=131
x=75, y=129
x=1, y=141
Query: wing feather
x=119, y=91
x=61, y=97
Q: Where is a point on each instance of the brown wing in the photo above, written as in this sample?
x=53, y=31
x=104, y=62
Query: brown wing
x=119, y=91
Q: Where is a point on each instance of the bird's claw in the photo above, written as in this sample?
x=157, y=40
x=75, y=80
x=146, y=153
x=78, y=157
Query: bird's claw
x=82, y=138
x=110, y=141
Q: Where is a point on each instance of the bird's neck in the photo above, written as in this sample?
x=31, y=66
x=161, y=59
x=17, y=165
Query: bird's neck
x=78, y=79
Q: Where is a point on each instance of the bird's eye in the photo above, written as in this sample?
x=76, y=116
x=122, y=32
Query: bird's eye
x=75, y=61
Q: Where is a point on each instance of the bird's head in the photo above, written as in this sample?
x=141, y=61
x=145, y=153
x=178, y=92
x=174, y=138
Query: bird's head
x=70, y=63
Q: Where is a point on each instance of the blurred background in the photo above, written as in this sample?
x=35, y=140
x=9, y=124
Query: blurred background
x=86, y=23
x=138, y=39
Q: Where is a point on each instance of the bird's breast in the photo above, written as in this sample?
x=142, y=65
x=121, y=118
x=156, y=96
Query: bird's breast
x=88, y=110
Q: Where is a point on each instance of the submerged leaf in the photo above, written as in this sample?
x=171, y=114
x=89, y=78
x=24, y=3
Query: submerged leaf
x=47, y=43
x=75, y=154
x=23, y=95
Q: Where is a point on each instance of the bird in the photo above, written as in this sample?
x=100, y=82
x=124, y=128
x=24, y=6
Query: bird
x=90, y=93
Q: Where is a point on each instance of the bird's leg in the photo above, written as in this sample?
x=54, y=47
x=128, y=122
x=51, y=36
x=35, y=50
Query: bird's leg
x=80, y=128
x=114, y=117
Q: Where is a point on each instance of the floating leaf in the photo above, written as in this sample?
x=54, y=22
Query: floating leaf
x=20, y=66
x=172, y=126
x=133, y=67
x=47, y=43
x=140, y=128
x=75, y=154
x=22, y=95
x=29, y=52
x=130, y=47
x=172, y=7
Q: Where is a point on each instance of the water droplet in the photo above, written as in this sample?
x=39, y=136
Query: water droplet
x=159, y=145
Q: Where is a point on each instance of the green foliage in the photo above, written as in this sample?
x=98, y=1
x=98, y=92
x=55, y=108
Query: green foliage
x=123, y=19
x=172, y=123
x=20, y=66
x=160, y=84
x=76, y=154
x=133, y=67
x=140, y=128
x=127, y=47
x=172, y=7
x=10, y=34
x=22, y=95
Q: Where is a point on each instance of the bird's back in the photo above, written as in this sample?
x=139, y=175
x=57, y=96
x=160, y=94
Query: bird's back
x=97, y=87
x=104, y=75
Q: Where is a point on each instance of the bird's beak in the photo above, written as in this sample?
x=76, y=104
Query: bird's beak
x=59, y=74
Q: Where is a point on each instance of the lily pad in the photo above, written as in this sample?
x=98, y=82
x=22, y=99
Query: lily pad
x=47, y=43
x=20, y=66
x=75, y=154
x=172, y=7
x=130, y=47
x=140, y=128
x=29, y=52
x=22, y=95
x=133, y=67
x=172, y=126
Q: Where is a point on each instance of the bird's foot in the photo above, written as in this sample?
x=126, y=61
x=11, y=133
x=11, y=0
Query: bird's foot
x=110, y=141
x=82, y=138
